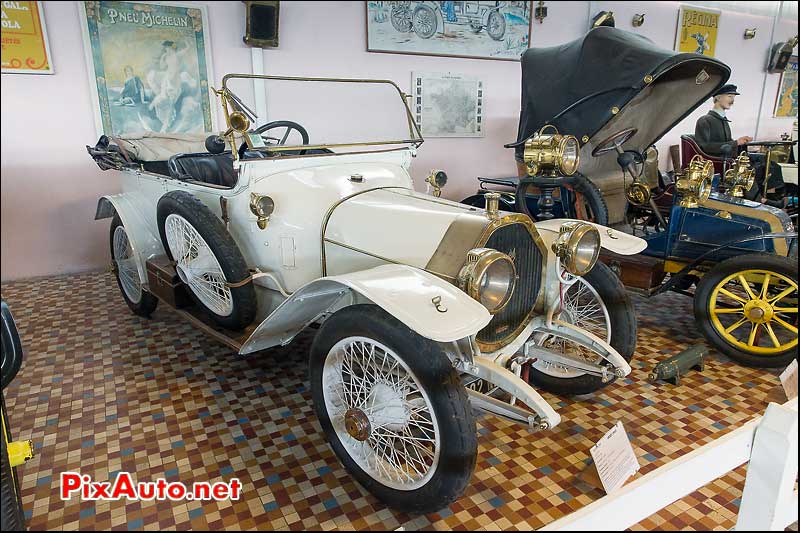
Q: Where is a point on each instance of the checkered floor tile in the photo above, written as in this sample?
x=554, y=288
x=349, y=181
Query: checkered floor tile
x=103, y=391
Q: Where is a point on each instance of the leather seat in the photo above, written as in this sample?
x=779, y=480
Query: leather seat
x=690, y=148
x=214, y=169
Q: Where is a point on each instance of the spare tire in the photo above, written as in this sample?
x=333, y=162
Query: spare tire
x=207, y=259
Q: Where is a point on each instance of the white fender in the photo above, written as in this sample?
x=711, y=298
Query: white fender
x=143, y=241
x=610, y=239
x=405, y=292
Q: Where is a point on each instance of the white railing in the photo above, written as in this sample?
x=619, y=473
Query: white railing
x=769, y=500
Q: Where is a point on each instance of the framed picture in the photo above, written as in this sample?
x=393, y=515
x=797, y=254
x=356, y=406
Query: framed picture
x=149, y=66
x=448, y=105
x=477, y=29
x=26, y=49
x=786, y=102
x=697, y=30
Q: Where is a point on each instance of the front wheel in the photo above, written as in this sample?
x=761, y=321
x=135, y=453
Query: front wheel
x=599, y=304
x=393, y=409
x=401, y=17
x=496, y=25
x=746, y=307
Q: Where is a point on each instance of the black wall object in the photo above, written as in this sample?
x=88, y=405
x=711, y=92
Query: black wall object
x=261, y=28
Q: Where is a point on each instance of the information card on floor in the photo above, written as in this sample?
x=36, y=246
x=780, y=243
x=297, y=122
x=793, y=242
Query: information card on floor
x=614, y=458
x=789, y=380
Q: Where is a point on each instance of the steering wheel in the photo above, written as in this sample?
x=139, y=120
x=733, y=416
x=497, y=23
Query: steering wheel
x=612, y=143
x=288, y=124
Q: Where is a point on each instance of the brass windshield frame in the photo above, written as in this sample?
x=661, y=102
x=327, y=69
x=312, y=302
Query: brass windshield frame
x=415, y=135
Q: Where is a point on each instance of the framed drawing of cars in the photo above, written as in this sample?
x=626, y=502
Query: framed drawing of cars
x=149, y=66
x=477, y=29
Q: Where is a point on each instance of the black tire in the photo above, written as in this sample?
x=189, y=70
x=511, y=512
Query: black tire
x=424, y=21
x=702, y=304
x=224, y=249
x=588, y=203
x=450, y=405
x=624, y=326
x=496, y=25
x=147, y=302
x=13, y=516
x=401, y=17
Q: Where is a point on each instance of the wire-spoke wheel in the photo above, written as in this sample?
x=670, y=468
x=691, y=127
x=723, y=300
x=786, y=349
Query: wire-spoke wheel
x=126, y=270
x=424, y=21
x=206, y=259
x=496, y=25
x=393, y=409
x=380, y=413
x=598, y=304
x=747, y=307
x=197, y=267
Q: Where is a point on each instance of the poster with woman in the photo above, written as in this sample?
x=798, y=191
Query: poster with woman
x=786, y=102
x=149, y=66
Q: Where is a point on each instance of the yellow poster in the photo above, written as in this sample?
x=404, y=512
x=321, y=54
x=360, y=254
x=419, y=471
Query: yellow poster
x=24, y=36
x=697, y=30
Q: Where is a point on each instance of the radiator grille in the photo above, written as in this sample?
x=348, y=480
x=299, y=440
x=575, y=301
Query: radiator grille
x=516, y=241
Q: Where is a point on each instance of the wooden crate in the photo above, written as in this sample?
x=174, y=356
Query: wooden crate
x=636, y=271
x=165, y=283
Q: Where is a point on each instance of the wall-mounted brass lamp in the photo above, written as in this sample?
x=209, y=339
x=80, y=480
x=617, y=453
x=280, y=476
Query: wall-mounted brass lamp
x=750, y=33
x=540, y=13
x=638, y=20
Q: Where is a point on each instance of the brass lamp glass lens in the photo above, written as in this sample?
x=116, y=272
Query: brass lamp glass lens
x=496, y=284
x=570, y=155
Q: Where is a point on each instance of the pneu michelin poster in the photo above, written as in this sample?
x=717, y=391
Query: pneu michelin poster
x=149, y=65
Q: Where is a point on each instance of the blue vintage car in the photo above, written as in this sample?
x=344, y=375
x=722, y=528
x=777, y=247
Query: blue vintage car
x=595, y=106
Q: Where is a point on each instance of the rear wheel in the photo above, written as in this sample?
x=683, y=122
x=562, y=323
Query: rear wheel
x=599, y=304
x=424, y=23
x=126, y=271
x=393, y=409
x=207, y=259
x=746, y=307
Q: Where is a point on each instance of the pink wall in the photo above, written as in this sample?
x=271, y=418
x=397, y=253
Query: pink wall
x=50, y=185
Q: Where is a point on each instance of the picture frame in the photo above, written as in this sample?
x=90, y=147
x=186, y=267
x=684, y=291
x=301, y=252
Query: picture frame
x=697, y=30
x=26, y=47
x=149, y=66
x=448, y=105
x=472, y=29
x=786, y=99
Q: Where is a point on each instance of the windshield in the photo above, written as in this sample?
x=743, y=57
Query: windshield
x=287, y=112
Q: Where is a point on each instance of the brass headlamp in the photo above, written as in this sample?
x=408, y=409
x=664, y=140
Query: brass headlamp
x=694, y=184
x=577, y=246
x=488, y=276
x=740, y=177
x=551, y=153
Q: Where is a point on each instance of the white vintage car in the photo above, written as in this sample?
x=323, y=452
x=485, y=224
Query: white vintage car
x=425, y=307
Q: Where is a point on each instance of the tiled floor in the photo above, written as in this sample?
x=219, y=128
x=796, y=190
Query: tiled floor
x=103, y=391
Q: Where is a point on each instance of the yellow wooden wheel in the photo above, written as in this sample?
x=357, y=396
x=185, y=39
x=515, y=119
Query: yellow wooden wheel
x=755, y=311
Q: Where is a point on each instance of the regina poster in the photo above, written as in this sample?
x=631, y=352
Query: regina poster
x=149, y=66
x=25, y=46
x=697, y=30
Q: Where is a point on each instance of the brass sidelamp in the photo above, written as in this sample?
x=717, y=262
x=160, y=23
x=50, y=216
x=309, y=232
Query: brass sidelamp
x=551, y=153
x=740, y=177
x=694, y=184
